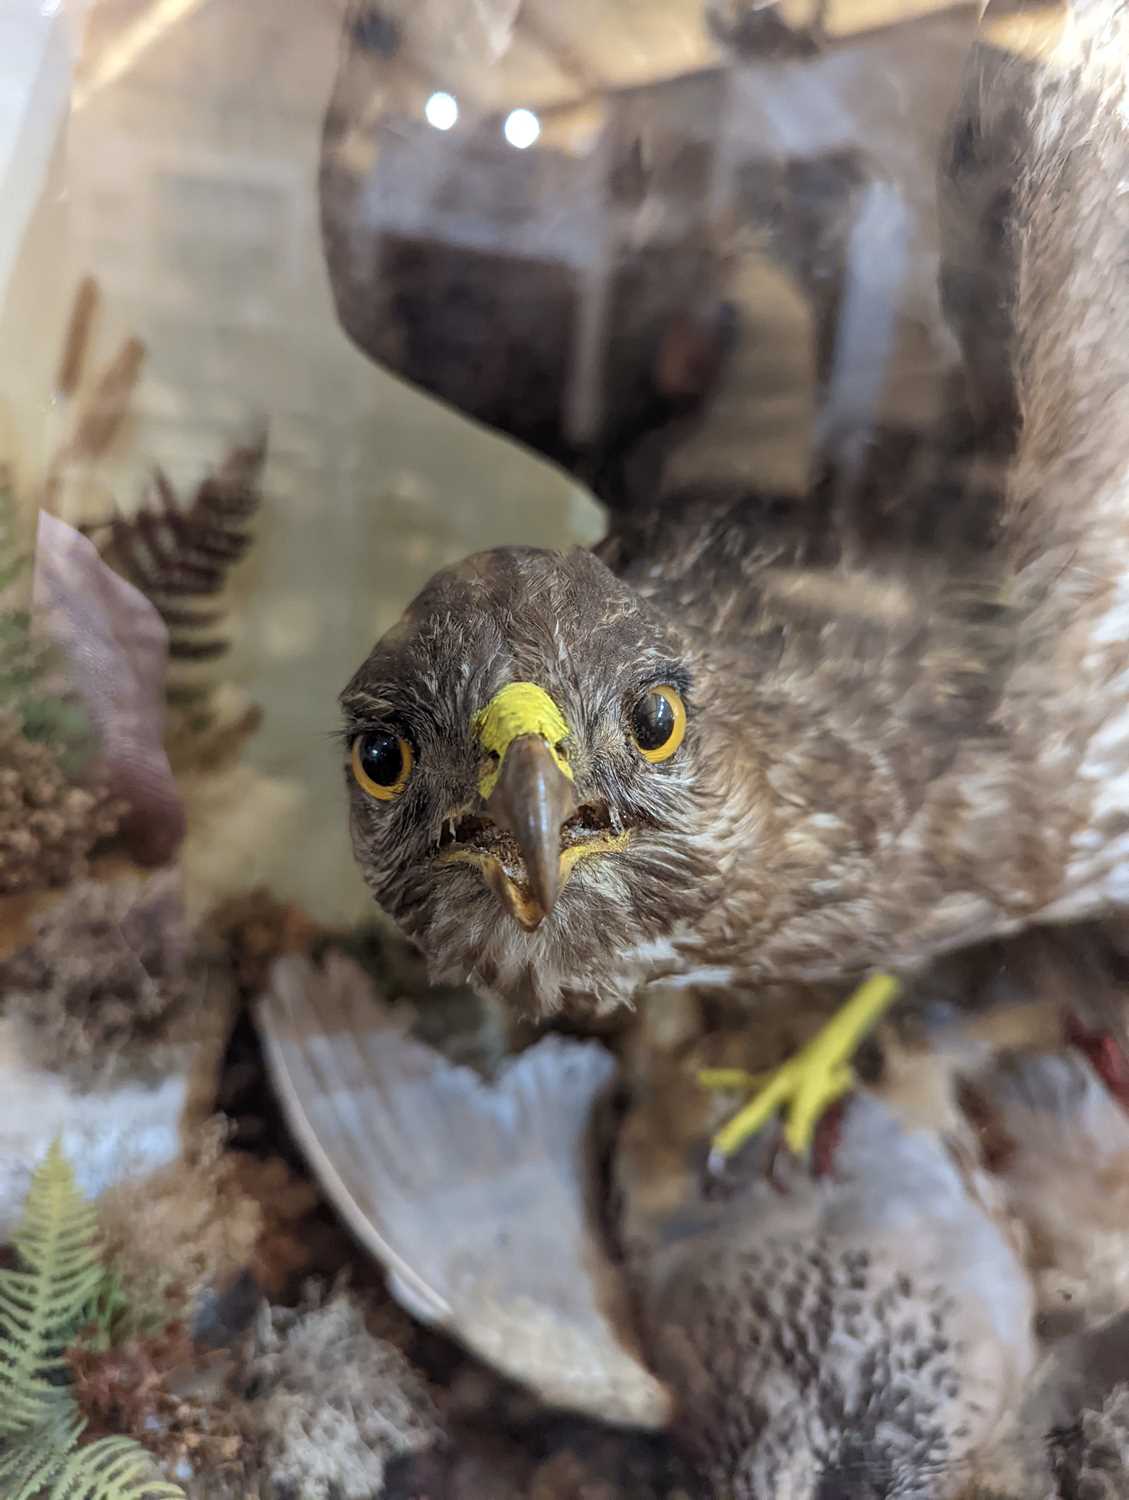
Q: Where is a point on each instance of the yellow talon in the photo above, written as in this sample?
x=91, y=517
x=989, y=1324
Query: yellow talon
x=731, y=1080
x=806, y=1085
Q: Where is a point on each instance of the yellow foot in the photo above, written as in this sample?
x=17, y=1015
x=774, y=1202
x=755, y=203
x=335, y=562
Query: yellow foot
x=807, y=1085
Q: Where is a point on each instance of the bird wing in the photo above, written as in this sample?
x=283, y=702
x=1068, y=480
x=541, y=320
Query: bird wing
x=1067, y=510
x=473, y=1196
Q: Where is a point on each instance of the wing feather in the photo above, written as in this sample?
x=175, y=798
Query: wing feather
x=474, y=1197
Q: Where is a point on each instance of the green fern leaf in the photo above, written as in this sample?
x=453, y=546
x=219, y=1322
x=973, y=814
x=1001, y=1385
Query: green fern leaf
x=33, y=1461
x=111, y=1317
x=58, y=1288
x=48, y=1464
x=111, y=1469
x=42, y=1302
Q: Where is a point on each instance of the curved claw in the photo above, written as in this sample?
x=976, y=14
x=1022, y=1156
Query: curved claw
x=809, y=1083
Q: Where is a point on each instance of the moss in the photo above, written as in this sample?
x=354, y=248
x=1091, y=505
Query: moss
x=326, y=1406
x=1095, y=1464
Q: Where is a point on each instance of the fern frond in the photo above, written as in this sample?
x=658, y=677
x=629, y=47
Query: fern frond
x=108, y=1315
x=111, y=1469
x=178, y=556
x=47, y=1463
x=29, y=1463
x=59, y=1284
x=42, y=1303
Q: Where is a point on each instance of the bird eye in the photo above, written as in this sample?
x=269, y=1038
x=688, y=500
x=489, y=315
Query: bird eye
x=382, y=764
x=658, y=723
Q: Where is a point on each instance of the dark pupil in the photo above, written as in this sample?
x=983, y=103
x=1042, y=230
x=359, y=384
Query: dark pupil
x=382, y=760
x=654, y=721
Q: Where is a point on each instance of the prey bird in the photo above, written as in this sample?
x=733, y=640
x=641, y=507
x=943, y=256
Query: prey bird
x=728, y=747
x=861, y=1325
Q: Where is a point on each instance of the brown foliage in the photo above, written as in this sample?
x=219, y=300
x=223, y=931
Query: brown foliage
x=136, y=1389
x=49, y=826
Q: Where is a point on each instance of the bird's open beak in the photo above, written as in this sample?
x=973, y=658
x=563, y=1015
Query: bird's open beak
x=535, y=832
x=531, y=799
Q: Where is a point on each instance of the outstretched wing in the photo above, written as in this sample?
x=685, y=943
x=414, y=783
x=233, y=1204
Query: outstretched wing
x=1067, y=513
x=474, y=1197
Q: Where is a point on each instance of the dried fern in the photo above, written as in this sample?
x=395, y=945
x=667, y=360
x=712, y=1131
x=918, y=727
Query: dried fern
x=178, y=552
x=178, y=556
x=59, y=1285
x=175, y=554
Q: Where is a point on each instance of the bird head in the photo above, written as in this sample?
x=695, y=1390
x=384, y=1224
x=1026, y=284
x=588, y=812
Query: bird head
x=525, y=779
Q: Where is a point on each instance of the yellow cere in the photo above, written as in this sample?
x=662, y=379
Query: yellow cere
x=518, y=709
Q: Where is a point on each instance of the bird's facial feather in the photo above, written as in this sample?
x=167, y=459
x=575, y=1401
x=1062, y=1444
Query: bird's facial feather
x=567, y=629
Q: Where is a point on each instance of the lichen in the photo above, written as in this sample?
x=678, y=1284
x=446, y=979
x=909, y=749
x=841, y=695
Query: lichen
x=1096, y=1464
x=331, y=1404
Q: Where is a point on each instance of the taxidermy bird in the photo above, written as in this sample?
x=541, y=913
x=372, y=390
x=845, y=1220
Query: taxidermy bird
x=727, y=748
x=861, y=1325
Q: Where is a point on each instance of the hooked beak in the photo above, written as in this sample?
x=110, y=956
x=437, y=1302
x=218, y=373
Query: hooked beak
x=535, y=832
x=531, y=799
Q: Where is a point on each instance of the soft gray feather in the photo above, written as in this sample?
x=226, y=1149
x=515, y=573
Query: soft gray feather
x=473, y=1196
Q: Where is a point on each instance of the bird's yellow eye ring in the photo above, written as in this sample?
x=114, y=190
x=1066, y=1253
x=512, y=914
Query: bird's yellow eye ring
x=382, y=763
x=658, y=722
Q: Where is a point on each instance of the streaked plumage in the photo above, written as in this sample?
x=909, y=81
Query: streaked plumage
x=860, y=1333
x=887, y=754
